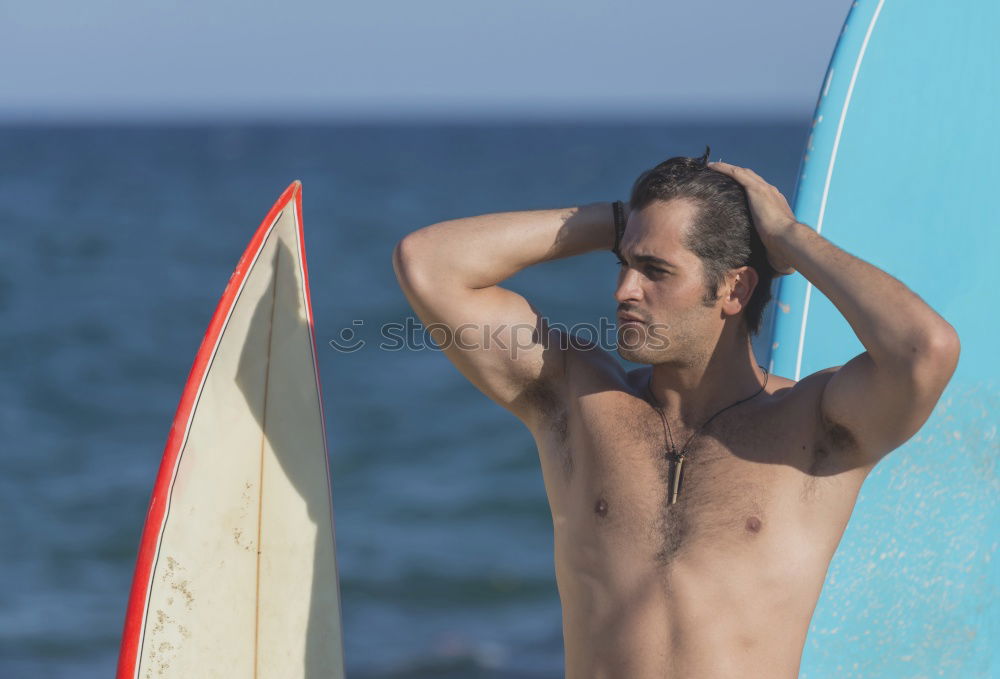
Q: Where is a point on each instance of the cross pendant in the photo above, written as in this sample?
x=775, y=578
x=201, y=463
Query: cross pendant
x=675, y=480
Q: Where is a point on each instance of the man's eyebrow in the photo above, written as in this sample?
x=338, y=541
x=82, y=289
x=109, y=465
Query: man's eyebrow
x=653, y=259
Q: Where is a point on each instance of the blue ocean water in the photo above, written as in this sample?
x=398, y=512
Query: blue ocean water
x=117, y=243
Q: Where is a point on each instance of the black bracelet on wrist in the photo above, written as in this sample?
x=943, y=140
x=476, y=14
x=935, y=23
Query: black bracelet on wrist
x=618, y=208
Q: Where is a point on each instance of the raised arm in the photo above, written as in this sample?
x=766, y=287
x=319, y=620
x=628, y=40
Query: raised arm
x=880, y=398
x=450, y=273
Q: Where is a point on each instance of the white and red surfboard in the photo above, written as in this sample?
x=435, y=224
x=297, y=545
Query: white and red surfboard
x=236, y=574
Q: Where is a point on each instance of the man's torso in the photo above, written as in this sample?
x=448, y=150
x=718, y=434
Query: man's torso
x=721, y=583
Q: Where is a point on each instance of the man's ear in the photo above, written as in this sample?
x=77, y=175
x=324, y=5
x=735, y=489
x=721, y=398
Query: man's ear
x=739, y=287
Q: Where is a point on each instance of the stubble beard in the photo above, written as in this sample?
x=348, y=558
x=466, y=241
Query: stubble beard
x=654, y=344
x=675, y=343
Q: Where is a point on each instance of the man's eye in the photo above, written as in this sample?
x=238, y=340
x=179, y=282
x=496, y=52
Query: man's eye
x=622, y=262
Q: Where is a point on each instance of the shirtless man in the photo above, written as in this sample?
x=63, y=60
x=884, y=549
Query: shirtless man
x=721, y=580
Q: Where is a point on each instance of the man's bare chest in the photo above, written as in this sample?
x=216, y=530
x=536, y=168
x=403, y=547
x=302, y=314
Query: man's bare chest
x=740, y=481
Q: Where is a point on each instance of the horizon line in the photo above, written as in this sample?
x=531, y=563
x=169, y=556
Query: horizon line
x=437, y=117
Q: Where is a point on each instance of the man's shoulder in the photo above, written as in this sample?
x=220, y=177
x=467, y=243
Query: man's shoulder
x=800, y=402
x=802, y=393
x=792, y=391
x=590, y=368
x=584, y=362
x=582, y=349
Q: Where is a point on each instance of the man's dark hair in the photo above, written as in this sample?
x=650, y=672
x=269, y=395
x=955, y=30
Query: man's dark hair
x=723, y=234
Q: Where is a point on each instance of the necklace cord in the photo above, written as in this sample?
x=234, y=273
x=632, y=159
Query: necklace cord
x=669, y=434
x=678, y=458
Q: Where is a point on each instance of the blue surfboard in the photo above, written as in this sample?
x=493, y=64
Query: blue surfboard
x=902, y=171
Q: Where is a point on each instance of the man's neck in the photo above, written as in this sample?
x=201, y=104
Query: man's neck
x=693, y=392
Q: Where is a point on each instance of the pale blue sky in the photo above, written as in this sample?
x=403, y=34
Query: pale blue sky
x=398, y=58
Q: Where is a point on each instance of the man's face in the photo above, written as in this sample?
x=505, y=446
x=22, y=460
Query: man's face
x=662, y=286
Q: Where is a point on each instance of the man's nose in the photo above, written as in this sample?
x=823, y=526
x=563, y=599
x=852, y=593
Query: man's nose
x=628, y=287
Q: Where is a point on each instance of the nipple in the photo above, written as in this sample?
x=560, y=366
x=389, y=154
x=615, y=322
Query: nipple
x=601, y=508
x=753, y=524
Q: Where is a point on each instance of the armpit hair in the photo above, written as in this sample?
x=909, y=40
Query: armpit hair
x=833, y=438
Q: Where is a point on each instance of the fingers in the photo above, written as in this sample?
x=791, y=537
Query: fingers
x=724, y=168
x=728, y=168
x=743, y=175
x=734, y=171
